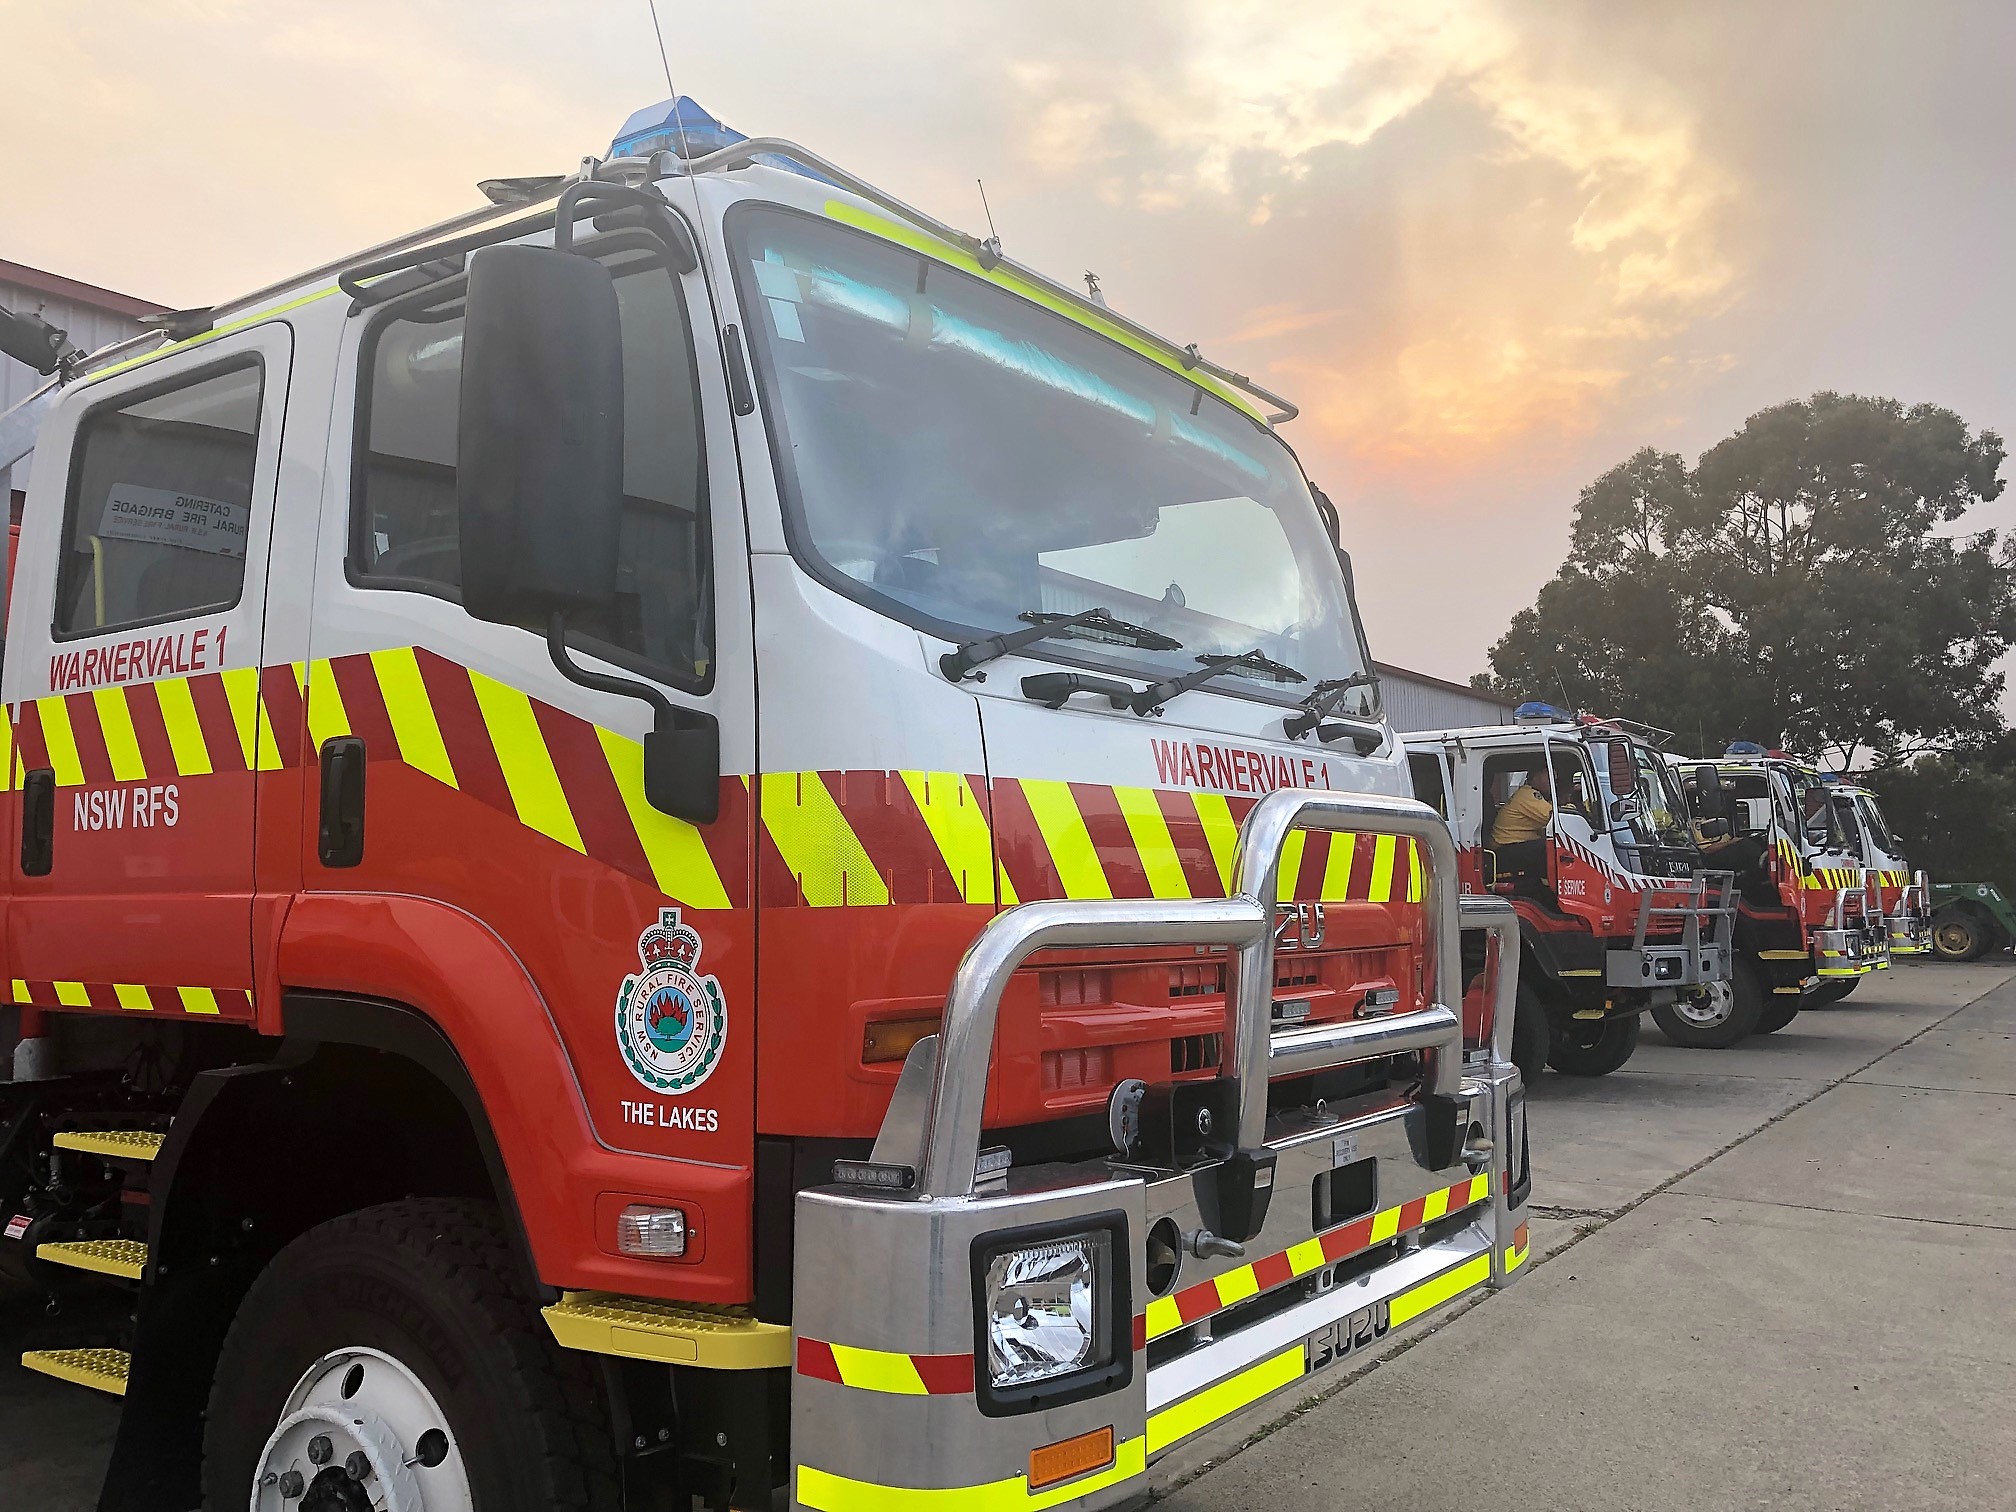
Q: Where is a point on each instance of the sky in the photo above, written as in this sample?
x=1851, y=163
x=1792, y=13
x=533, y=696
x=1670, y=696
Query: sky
x=1490, y=248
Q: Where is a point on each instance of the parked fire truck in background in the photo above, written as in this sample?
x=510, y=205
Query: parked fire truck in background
x=1905, y=895
x=544, y=757
x=1810, y=926
x=1617, y=911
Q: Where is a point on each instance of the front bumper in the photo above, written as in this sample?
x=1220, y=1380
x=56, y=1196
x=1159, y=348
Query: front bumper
x=886, y=1404
x=1242, y=1250
x=1909, y=934
x=1840, y=953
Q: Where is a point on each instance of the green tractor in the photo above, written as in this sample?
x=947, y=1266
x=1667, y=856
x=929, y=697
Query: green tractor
x=1970, y=920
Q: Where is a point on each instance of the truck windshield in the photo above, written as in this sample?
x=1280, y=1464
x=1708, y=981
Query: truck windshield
x=1878, y=827
x=1662, y=820
x=958, y=457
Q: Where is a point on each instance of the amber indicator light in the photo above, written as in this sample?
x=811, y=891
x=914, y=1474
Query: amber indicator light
x=891, y=1039
x=1073, y=1456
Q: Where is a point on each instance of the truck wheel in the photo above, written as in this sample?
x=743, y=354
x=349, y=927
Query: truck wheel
x=1532, y=1035
x=1958, y=936
x=1724, y=1013
x=401, y=1342
x=1779, y=1012
x=1594, y=1048
x=1827, y=994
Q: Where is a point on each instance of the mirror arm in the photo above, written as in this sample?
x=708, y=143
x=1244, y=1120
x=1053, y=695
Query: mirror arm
x=681, y=753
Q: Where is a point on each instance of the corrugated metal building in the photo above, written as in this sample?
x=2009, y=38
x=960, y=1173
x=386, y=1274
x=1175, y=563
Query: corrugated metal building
x=94, y=317
x=1416, y=701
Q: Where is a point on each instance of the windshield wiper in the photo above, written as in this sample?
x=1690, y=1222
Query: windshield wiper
x=1322, y=702
x=1252, y=663
x=957, y=664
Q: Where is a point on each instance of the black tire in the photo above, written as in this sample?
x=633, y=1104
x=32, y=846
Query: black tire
x=1532, y=1034
x=1588, y=1047
x=1828, y=993
x=1958, y=935
x=1737, y=1020
x=1780, y=1011
x=432, y=1283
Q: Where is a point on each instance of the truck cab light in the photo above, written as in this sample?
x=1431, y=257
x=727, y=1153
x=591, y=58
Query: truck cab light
x=651, y=1233
x=885, y=1040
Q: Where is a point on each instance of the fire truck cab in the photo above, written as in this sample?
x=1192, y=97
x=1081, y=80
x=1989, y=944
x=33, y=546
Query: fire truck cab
x=691, y=839
x=1906, y=895
x=1617, y=913
x=1809, y=925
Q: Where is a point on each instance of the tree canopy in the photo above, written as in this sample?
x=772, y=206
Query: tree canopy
x=1803, y=584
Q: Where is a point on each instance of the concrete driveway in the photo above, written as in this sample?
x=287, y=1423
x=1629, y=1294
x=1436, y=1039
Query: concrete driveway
x=1778, y=1276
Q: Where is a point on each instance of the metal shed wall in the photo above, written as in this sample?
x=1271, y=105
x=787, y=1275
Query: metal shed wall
x=1416, y=701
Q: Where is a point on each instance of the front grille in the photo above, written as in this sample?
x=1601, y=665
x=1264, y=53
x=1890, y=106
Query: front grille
x=1206, y=980
x=1194, y=1052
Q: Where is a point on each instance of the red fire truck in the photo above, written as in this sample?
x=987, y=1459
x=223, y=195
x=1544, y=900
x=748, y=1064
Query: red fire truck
x=1618, y=913
x=1806, y=922
x=691, y=839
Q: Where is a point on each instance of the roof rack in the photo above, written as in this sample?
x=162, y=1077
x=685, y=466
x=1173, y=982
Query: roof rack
x=987, y=252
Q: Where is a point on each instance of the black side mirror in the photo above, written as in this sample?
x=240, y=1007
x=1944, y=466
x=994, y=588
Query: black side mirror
x=539, y=484
x=1710, y=797
x=539, y=480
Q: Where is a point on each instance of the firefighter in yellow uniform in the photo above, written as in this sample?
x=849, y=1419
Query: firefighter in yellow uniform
x=1519, y=833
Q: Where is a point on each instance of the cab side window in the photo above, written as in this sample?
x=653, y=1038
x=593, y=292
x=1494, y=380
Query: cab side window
x=404, y=533
x=159, y=504
x=1426, y=771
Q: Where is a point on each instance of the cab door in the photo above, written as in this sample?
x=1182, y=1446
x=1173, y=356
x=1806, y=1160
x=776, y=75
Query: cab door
x=132, y=677
x=462, y=776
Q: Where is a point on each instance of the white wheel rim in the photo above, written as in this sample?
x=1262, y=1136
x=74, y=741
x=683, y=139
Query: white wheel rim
x=1710, y=1009
x=362, y=1401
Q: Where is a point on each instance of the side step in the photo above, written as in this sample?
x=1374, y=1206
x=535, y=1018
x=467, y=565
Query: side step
x=112, y=1144
x=124, y=1258
x=100, y=1369
x=673, y=1333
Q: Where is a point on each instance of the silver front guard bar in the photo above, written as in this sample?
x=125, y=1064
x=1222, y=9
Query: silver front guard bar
x=1701, y=955
x=946, y=1161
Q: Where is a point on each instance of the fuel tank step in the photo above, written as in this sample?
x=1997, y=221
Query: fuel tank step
x=124, y=1258
x=100, y=1369
x=112, y=1144
x=676, y=1333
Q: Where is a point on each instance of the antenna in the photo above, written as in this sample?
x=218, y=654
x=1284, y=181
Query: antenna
x=990, y=249
x=658, y=36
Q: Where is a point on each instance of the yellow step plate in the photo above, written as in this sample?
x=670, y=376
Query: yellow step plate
x=113, y=1144
x=674, y=1333
x=100, y=1369
x=124, y=1258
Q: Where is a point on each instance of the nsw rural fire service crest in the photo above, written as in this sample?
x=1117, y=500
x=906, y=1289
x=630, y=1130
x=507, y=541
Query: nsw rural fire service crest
x=670, y=1020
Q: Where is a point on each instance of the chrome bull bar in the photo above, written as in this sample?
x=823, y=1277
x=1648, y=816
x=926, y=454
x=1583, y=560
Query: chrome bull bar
x=948, y=1144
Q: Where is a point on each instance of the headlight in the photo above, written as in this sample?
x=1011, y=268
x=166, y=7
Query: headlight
x=1051, y=1314
x=1043, y=1309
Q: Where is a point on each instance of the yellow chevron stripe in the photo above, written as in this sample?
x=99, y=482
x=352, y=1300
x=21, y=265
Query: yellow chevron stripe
x=197, y=999
x=878, y=1370
x=1221, y=833
x=1381, y=888
x=9, y=778
x=121, y=744
x=1163, y=1316
x=60, y=741
x=1337, y=870
x=185, y=730
x=1306, y=1256
x=131, y=995
x=958, y=825
x=72, y=994
x=327, y=717
x=250, y=719
x=1236, y=1286
x=1064, y=834
x=1291, y=864
x=679, y=861
x=1435, y=1205
x=1417, y=887
x=817, y=843
x=1385, y=1225
x=1157, y=847
x=528, y=766
x=413, y=724
x=20, y=989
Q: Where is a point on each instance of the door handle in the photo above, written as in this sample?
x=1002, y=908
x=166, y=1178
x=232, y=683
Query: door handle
x=38, y=822
x=341, y=841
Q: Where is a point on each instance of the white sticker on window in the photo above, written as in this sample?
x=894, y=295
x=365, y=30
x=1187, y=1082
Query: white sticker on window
x=785, y=317
x=163, y=517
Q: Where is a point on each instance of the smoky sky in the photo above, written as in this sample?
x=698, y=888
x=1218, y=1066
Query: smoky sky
x=1490, y=248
